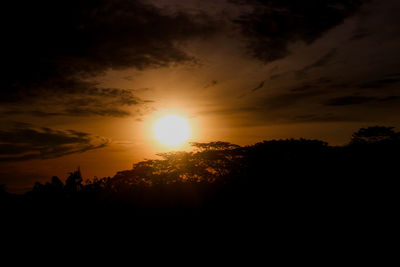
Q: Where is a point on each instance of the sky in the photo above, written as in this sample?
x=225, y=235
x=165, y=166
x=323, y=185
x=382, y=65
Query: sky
x=83, y=82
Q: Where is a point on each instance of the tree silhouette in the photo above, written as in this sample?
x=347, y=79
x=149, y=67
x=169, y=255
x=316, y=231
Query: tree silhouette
x=74, y=181
x=373, y=135
x=225, y=176
x=214, y=146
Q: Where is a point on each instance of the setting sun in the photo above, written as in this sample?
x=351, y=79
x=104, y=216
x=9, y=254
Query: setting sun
x=171, y=130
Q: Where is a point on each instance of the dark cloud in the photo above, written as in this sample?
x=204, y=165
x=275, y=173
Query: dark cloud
x=325, y=117
x=276, y=76
x=350, y=100
x=357, y=100
x=273, y=24
x=88, y=101
x=322, y=82
x=298, y=94
x=301, y=88
x=393, y=75
x=321, y=62
x=52, y=48
x=25, y=143
x=300, y=74
x=78, y=111
x=390, y=98
x=211, y=84
x=258, y=87
x=229, y=110
x=83, y=112
x=359, y=34
x=286, y=100
x=380, y=83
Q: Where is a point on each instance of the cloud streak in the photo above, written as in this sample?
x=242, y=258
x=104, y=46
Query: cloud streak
x=26, y=143
x=321, y=62
x=358, y=100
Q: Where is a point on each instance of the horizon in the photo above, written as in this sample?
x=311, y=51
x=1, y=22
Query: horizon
x=198, y=147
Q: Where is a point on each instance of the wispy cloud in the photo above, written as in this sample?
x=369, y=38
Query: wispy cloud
x=25, y=143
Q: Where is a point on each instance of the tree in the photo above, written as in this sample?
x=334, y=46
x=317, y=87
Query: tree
x=74, y=181
x=214, y=146
x=374, y=135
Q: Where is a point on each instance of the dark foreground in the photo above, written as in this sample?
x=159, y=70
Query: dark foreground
x=290, y=200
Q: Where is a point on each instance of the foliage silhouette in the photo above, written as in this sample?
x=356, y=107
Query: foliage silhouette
x=294, y=176
x=375, y=134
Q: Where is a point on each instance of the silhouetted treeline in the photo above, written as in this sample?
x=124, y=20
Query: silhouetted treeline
x=295, y=176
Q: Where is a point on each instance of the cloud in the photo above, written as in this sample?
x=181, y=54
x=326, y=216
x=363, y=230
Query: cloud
x=357, y=100
x=390, y=98
x=52, y=49
x=211, y=84
x=301, y=88
x=349, y=100
x=83, y=112
x=25, y=143
x=258, y=87
x=272, y=25
x=359, y=34
x=89, y=101
x=285, y=100
x=321, y=62
x=380, y=83
x=322, y=82
x=323, y=117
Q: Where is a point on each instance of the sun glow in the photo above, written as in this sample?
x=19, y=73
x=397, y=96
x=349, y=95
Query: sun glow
x=171, y=130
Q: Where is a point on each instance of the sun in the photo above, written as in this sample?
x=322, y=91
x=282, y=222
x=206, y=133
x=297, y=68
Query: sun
x=172, y=130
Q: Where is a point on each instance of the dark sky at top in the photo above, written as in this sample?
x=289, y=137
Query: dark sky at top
x=82, y=79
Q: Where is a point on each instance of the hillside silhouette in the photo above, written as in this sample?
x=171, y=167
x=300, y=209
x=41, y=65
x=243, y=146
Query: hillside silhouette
x=295, y=176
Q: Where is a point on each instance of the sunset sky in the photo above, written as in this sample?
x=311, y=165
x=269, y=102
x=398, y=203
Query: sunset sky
x=83, y=82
